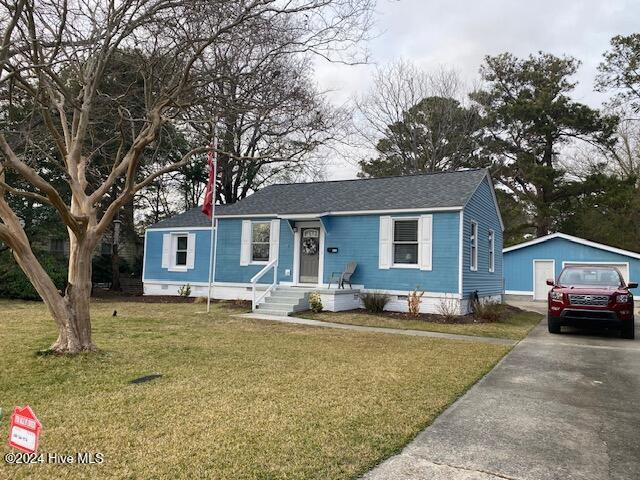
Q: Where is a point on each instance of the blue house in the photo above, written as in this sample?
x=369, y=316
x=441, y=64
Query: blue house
x=440, y=233
x=528, y=265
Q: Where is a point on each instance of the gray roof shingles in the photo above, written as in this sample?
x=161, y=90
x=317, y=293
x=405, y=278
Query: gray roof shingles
x=436, y=190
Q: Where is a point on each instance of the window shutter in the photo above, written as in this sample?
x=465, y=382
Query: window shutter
x=274, y=239
x=166, y=250
x=245, y=243
x=384, y=255
x=426, y=241
x=191, y=250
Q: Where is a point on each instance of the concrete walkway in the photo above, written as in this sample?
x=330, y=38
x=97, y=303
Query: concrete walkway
x=394, y=331
x=556, y=407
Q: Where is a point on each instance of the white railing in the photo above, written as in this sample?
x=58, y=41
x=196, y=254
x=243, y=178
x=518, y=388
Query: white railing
x=255, y=300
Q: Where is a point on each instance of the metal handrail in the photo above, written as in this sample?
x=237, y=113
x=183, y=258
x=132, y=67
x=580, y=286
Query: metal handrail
x=254, y=280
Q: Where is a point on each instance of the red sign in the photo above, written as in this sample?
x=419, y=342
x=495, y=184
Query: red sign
x=24, y=430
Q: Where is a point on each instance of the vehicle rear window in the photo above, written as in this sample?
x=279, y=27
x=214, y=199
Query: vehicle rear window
x=600, y=277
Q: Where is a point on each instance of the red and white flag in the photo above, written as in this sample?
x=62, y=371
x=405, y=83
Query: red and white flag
x=207, y=206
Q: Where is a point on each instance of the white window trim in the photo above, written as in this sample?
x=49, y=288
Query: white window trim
x=473, y=242
x=492, y=251
x=393, y=228
x=174, y=249
x=251, y=260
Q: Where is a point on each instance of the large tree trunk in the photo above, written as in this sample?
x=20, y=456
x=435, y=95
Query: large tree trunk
x=71, y=311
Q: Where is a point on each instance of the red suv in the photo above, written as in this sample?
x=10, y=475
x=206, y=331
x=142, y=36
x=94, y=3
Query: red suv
x=587, y=296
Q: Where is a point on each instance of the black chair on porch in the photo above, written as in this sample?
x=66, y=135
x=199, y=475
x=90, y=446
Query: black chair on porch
x=343, y=277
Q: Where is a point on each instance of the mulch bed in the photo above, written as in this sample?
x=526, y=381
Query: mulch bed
x=509, y=310
x=104, y=295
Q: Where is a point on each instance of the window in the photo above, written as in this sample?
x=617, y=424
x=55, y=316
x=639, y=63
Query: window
x=491, y=251
x=181, y=250
x=56, y=246
x=405, y=242
x=473, y=242
x=260, y=241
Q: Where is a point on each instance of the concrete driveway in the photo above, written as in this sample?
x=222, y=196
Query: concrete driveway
x=557, y=407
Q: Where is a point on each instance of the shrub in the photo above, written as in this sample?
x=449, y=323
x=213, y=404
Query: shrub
x=315, y=302
x=15, y=284
x=374, y=302
x=414, y=299
x=185, y=290
x=448, y=308
x=488, y=310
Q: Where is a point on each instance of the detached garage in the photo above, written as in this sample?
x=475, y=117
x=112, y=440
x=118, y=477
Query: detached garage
x=528, y=265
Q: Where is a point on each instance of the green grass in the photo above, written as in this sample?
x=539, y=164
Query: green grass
x=514, y=327
x=239, y=399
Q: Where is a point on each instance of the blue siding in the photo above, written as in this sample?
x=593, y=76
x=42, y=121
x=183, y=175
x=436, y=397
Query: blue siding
x=153, y=258
x=481, y=209
x=519, y=263
x=356, y=238
x=228, y=268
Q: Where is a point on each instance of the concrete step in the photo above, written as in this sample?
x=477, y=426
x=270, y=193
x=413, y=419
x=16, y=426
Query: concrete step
x=272, y=311
x=287, y=298
x=280, y=305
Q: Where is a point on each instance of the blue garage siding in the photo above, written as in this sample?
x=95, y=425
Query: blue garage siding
x=481, y=209
x=519, y=263
x=357, y=237
x=153, y=258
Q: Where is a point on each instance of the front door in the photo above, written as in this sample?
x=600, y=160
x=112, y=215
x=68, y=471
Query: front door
x=309, y=254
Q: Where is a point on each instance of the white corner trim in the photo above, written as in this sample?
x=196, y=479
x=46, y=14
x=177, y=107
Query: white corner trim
x=517, y=292
x=571, y=238
x=461, y=253
x=144, y=255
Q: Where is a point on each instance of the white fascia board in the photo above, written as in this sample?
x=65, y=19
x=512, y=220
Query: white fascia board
x=493, y=194
x=571, y=238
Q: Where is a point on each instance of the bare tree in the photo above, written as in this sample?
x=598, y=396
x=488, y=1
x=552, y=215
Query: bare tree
x=417, y=121
x=56, y=53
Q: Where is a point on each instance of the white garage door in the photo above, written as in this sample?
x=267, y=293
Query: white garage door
x=622, y=267
x=542, y=270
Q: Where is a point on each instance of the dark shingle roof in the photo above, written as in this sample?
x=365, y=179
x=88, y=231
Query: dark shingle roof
x=436, y=190
x=191, y=218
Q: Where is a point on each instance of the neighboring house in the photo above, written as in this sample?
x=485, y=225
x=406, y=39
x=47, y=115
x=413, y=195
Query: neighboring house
x=440, y=233
x=528, y=265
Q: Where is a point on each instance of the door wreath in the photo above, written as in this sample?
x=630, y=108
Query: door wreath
x=310, y=246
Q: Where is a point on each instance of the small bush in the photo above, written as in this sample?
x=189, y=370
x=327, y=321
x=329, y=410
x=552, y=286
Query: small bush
x=185, y=290
x=414, y=299
x=488, y=310
x=374, y=302
x=448, y=308
x=315, y=302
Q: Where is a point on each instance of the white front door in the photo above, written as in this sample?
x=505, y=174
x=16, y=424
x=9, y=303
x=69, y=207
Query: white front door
x=542, y=270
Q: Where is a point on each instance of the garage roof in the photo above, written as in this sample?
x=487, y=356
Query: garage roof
x=571, y=238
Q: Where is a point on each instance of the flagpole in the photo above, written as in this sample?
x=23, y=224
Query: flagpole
x=214, y=230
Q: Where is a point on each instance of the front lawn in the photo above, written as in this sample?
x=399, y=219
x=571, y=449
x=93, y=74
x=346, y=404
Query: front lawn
x=238, y=398
x=514, y=326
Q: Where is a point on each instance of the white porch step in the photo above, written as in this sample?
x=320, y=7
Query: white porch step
x=284, y=301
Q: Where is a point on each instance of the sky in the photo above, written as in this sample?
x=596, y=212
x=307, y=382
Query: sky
x=457, y=34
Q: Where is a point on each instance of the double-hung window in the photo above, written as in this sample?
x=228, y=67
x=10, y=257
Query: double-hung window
x=473, y=243
x=260, y=236
x=491, y=251
x=181, y=246
x=405, y=242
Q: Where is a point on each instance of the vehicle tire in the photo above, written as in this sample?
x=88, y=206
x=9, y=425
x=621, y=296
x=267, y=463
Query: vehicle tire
x=628, y=330
x=554, y=325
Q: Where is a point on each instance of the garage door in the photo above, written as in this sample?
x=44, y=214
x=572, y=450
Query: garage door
x=622, y=267
x=542, y=270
